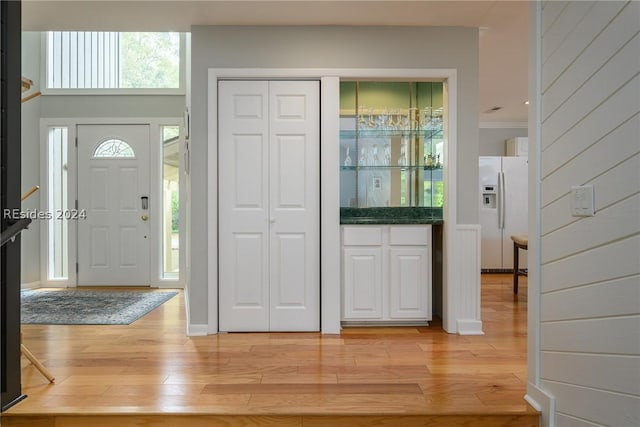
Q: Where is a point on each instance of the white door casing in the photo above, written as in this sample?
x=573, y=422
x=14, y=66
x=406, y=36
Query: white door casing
x=330, y=219
x=268, y=205
x=113, y=240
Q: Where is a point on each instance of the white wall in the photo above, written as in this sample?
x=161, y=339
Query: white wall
x=326, y=47
x=30, y=238
x=589, y=284
x=56, y=106
x=492, y=140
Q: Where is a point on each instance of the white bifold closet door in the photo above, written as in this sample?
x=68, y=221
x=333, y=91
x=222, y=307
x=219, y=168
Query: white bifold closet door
x=268, y=189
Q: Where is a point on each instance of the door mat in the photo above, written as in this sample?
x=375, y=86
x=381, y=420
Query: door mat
x=88, y=307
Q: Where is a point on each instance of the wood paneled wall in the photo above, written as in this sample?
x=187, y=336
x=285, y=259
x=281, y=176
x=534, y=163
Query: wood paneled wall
x=590, y=266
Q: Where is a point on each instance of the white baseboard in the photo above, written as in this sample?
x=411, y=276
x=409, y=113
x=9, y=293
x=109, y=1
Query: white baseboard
x=470, y=327
x=32, y=285
x=193, y=330
x=197, y=330
x=542, y=401
x=170, y=285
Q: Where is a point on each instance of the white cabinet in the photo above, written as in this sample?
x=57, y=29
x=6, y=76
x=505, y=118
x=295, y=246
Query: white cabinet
x=362, y=271
x=518, y=146
x=386, y=273
x=408, y=279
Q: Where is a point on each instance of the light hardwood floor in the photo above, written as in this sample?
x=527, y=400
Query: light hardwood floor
x=150, y=373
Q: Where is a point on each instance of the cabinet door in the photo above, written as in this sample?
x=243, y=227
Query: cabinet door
x=362, y=283
x=409, y=283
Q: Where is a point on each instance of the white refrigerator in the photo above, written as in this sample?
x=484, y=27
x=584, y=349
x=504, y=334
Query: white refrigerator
x=503, y=210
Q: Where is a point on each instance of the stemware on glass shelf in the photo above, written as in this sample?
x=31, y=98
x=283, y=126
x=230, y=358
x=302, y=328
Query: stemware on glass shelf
x=347, y=158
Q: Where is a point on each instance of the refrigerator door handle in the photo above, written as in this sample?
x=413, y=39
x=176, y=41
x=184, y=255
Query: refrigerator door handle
x=499, y=201
x=502, y=197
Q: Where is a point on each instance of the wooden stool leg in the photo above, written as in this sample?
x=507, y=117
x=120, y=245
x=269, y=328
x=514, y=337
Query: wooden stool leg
x=34, y=360
x=43, y=370
x=515, y=268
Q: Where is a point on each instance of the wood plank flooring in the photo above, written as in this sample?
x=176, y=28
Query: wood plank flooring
x=150, y=373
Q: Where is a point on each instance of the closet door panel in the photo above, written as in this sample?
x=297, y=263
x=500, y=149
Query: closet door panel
x=294, y=209
x=243, y=191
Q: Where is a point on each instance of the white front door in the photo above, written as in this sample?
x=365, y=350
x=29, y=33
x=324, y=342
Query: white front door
x=269, y=205
x=113, y=190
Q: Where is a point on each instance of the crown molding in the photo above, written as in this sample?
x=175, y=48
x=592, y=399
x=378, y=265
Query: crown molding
x=503, y=125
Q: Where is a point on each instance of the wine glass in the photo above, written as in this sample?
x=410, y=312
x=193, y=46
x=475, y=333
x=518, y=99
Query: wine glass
x=376, y=159
x=347, y=158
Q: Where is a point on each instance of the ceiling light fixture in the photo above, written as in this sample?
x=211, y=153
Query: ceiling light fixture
x=492, y=110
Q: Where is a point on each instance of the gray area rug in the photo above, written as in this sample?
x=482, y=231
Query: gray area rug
x=88, y=307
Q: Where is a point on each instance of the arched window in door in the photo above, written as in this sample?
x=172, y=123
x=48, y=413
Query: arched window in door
x=114, y=148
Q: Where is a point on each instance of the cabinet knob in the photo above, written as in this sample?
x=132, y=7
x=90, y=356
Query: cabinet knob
x=272, y=220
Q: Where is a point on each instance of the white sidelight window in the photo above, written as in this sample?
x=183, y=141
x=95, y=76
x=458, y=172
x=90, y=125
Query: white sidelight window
x=57, y=225
x=171, y=201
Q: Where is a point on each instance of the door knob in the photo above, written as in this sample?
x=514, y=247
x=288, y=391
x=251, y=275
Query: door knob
x=144, y=217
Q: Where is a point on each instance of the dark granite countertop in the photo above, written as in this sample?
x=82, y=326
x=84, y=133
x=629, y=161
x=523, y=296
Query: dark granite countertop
x=391, y=215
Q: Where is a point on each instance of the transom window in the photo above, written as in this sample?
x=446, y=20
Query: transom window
x=114, y=61
x=114, y=149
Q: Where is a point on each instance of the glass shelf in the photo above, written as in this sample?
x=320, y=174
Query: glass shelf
x=383, y=168
x=392, y=145
x=382, y=133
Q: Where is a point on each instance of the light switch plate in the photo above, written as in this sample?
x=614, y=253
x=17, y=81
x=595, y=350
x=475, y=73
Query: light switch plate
x=582, y=200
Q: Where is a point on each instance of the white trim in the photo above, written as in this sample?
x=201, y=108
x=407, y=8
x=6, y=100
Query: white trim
x=417, y=74
x=112, y=92
x=155, y=203
x=536, y=396
x=31, y=285
x=503, y=125
x=212, y=202
x=450, y=302
x=469, y=327
x=542, y=402
x=330, y=205
x=330, y=286
x=170, y=284
x=465, y=280
x=197, y=330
